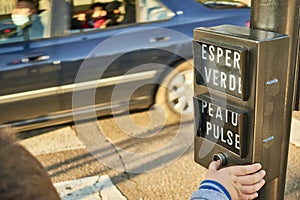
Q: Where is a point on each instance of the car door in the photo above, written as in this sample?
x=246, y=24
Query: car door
x=114, y=64
x=28, y=77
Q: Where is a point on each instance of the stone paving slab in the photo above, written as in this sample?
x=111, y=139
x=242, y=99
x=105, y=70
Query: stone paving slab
x=89, y=188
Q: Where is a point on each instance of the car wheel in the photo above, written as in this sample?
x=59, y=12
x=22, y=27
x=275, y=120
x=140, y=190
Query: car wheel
x=175, y=94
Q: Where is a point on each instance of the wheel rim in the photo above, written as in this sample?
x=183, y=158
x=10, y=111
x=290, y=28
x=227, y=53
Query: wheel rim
x=180, y=93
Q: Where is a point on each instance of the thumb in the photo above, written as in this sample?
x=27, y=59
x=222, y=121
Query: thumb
x=214, y=165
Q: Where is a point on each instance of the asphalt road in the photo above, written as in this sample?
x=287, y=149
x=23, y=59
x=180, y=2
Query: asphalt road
x=143, y=159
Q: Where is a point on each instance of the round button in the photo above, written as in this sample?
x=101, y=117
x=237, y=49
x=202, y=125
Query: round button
x=222, y=157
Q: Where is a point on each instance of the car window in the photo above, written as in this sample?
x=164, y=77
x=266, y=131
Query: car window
x=14, y=26
x=84, y=15
x=219, y=4
x=89, y=15
x=152, y=10
x=103, y=14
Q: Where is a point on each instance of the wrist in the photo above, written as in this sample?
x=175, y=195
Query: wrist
x=216, y=186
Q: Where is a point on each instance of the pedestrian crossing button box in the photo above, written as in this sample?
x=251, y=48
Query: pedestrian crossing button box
x=239, y=95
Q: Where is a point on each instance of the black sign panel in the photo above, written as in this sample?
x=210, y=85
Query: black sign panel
x=222, y=125
x=221, y=67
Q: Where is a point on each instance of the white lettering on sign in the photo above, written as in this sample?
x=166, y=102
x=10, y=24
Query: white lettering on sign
x=220, y=113
x=230, y=61
x=224, y=128
x=223, y=80
x=222, y=68
x=226, y=137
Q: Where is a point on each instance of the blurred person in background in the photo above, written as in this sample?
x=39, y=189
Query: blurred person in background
x=97, y=17
x=114, y=13
x=25, y=17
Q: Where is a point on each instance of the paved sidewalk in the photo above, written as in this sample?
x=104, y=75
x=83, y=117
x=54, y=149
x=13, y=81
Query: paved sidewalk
x=101, y=187
x=295, y=129
x=292, y=186
x=89, y=188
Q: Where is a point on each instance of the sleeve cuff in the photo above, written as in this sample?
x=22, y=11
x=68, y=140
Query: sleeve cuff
x=214, y=185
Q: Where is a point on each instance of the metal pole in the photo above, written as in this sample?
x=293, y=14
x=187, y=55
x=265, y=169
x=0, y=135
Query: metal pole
x=281, y=16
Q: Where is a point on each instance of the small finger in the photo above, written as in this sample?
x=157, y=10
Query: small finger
x=214, y=165
x=249, y=189
x=252, y=178
x=248, y=196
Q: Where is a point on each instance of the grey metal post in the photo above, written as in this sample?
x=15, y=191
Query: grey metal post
x=281, y=16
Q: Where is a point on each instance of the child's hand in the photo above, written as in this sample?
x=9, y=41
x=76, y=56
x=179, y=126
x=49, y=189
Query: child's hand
x=242, y=182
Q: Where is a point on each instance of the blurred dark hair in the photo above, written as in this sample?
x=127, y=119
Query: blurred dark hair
x=35, y=3
x=112, y=6
x=97, y=4
x=22, y=175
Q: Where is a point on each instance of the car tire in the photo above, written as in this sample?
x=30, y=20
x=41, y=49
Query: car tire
x=175, y=94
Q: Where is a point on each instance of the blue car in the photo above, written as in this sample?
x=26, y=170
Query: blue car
x=138, y=53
